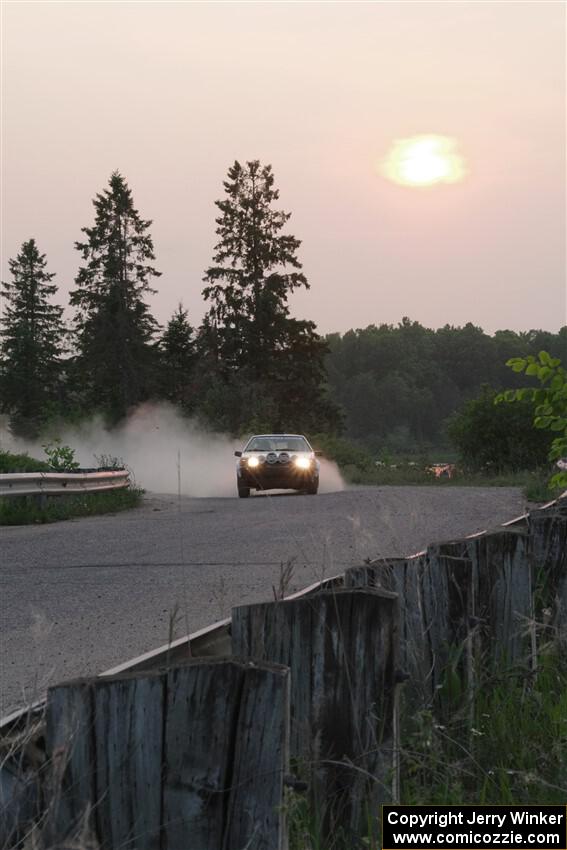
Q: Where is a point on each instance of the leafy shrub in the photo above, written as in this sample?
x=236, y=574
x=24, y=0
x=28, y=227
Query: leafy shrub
x=549, y=401
x=61, y=458
x=498, y=438
x=344, y=452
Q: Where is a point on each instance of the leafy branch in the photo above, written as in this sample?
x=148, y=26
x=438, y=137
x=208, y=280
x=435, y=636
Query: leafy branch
x=550, y=399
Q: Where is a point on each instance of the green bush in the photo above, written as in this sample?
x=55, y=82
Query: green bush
x=10, y=462
x=61, y=458
x=498, y=437
x=344, y=452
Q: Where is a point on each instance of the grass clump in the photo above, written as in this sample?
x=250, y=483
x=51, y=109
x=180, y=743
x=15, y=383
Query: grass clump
x=10, y=462
x=513, y=753
x=25, y=510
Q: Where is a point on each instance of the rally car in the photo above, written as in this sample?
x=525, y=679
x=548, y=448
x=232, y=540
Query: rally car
x=277, y=462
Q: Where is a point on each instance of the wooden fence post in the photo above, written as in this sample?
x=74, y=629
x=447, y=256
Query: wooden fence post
x=547, y=531
x=193, y=757
x=403, y=576
x=503, y=603
x=128, y=719
x=465, y=606
x=71, y=785
x=254, y=816
x=341, y=648
x=226, y=753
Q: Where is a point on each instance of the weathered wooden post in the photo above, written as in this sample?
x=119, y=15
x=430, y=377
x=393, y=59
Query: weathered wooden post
x=226, y=754
x=435, y=595
x=128, y=732
x=192, y=757
x=503, y=597
x=465, y=607
x=403, y=576
x=71, y=791
x=547, y=532
x=341, y=648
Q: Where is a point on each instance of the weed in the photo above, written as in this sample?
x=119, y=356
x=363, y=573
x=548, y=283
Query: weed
x=514, y=752
x=61, y=458
x=105, y=462
x=286, y=576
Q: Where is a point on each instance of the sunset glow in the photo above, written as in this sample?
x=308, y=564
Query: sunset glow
x=424, y=161
x=417, y=148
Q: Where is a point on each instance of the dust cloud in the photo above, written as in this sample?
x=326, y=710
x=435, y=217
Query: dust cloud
x=165, y=452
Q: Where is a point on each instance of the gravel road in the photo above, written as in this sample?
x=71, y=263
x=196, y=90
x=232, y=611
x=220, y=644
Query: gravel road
x=80, y=596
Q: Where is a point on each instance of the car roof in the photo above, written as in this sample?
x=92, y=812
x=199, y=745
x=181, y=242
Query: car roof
x=277, y=435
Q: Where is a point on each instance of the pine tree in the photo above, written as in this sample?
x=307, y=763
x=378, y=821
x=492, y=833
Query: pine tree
x=32, y=342
x=273, y=363
x=178, y=357
x=115, y=330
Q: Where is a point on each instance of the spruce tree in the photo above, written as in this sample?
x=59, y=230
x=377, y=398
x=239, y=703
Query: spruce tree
x=32, y=343
x=115, y=330
x=177, y=348
x=272, y=363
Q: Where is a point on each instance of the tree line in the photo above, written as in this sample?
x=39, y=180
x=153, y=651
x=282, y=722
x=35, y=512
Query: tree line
x=401, y=385
x=248, y=366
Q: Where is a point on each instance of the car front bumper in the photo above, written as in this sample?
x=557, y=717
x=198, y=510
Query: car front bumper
x=277, y=477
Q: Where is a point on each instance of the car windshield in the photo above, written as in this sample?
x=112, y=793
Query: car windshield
x=278, y=444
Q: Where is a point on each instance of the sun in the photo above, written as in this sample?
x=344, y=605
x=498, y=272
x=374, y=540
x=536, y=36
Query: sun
x=424, y=161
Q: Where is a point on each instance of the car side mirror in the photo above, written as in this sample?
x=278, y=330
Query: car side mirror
x=238, y=454
x=318, y=454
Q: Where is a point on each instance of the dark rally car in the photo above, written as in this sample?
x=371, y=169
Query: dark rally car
x=277, y=462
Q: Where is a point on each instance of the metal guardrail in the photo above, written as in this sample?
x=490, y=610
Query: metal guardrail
x=61, y=483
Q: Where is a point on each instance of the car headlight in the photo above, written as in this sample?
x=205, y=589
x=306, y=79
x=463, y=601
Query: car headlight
x=253, y=462
x=302, y=462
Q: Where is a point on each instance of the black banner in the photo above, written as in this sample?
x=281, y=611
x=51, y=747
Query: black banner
x=474, y=827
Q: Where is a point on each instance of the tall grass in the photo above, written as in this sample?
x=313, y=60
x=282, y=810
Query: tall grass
x=514, y=751
x=25, y=510
x=10, y=462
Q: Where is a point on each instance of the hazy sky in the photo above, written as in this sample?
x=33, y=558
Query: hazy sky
x=172, y=93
